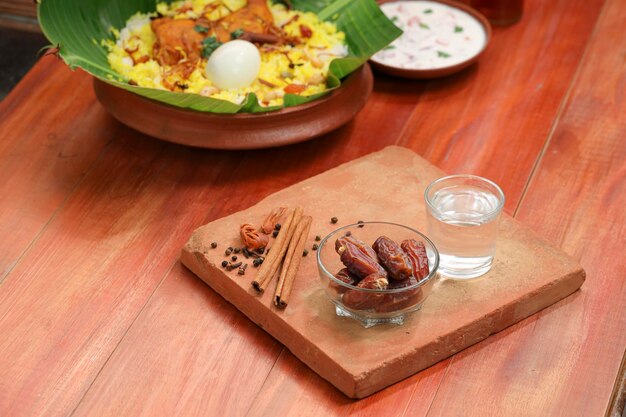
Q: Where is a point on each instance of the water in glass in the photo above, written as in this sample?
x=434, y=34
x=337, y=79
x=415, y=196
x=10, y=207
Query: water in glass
x=464, y=227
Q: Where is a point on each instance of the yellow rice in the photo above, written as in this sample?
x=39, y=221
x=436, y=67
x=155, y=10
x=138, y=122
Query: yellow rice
x=313, y=56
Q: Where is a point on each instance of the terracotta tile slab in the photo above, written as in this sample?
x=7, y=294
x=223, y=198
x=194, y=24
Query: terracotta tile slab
x=527, y=276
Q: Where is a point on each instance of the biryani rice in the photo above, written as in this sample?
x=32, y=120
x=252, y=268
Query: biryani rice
x=309, y=60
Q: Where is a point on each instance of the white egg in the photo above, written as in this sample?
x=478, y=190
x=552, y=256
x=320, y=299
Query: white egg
x=235, y=64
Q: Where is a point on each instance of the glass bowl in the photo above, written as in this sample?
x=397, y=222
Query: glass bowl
x=382, y=306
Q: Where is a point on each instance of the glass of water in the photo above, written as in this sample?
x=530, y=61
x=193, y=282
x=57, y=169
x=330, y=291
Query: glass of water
x=462, y=213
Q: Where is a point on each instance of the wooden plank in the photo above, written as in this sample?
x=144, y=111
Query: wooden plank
x=192, y=381
x=617, y=405
x=25, y=24
x=25, y=8
x=72, y=296
x=43, y=155
x=293, y=389
x=564, y=361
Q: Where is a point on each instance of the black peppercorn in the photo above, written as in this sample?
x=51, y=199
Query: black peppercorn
x=334, y=220
x=275, y=233
x=305, y=253
x=315, y=246
x=234, y=258
x=224, y=264
x=361, y=223
x=277, y=226
x=228, y=251
x=348, y=233
x=214, y=245
x=237, y=250
x=318, y=238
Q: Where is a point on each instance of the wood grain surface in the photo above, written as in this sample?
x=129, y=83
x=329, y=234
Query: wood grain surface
x=92, y=326
x=25, y=8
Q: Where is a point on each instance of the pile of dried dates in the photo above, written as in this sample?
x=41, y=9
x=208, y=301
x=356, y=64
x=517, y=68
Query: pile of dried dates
x=384, y=265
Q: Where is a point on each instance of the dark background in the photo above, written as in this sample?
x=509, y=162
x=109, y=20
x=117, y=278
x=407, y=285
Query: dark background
x=19, y=51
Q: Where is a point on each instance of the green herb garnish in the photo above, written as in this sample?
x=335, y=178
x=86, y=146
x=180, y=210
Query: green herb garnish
x=236, y=34
x=442, y=54
x=200, y=29
x=424, y=26
x=209, y=45
x=428, y=11
x=458, y=29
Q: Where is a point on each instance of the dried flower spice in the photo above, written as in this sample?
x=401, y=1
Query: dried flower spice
x=273, y=219
x=251, y=237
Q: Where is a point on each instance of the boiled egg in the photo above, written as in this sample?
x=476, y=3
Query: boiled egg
x=235, y=64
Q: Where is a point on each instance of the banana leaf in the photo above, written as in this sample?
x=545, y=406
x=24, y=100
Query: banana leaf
x=76, y=28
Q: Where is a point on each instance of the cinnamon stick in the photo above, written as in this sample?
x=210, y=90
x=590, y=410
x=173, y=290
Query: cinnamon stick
x=292, y=262
x=270, y=265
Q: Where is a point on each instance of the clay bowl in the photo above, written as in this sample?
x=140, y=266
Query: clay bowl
x=239, y=131
x=418, y=74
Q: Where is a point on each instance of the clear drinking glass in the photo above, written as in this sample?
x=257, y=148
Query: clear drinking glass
x=462, y=216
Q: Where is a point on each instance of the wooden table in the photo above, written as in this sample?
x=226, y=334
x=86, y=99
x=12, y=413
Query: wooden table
x=99, y=318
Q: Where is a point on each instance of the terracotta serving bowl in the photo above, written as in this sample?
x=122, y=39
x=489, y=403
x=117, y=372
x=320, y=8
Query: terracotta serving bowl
x=443, y=71
x=244, y=130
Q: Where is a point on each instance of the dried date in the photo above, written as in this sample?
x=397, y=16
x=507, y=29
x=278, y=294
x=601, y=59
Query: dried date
x=361, y=300
x=362, y=246
x=357, y=257
x=398, y=301
x=344, y=276
x=416, y=252
x=393, y=258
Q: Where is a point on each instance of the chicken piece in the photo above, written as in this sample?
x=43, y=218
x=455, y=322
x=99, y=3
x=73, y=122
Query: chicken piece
x=177, y=40
x=254, y=18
